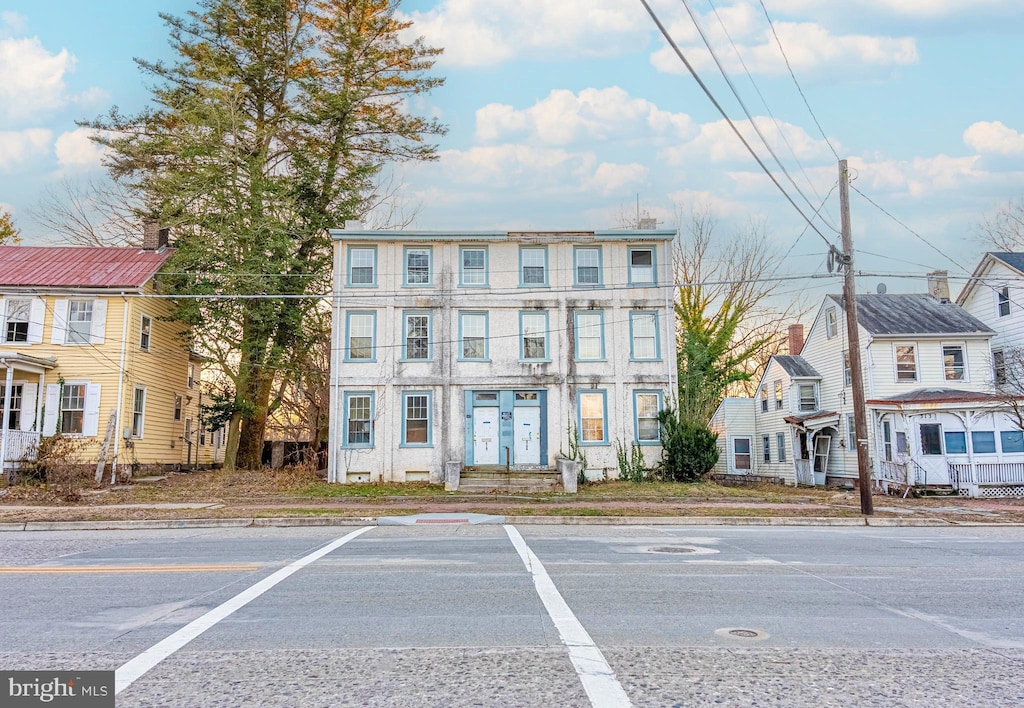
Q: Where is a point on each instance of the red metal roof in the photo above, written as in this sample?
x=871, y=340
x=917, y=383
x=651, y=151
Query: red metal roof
x=78, y=267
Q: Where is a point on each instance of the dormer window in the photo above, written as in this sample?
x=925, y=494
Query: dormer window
x=808, y=397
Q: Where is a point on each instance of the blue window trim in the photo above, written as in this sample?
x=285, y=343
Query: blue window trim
x=348, y=339
x=344, y=425
x=487, y=334
x=604, y=422
x=653, y=283
x=657, y=335
x=575, y=267
x=430, y=267
x=547, y=267
x=487, y=267
x=405, y=334
x=636, y=415
x=348, y=266
x=547, y=335
x=430, y=418
x=576, y=334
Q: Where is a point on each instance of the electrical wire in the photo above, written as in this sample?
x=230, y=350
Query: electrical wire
x=721, y=111
x=792, y=75
x=743, y=106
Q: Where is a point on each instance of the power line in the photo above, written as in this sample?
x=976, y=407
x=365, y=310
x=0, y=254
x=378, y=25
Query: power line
x=785, y=58
x=721, y=111
x=743, y=105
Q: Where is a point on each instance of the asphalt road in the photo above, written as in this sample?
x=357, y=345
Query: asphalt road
x=458, y=615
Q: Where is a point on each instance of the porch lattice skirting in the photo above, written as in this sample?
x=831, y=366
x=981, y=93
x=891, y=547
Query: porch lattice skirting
x=987, y=479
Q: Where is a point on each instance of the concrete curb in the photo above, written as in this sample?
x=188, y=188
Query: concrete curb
x=341, y=521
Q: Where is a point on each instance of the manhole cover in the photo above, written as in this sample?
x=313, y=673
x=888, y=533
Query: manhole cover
x=745, y=633
x=742, y=633
x=673, y=549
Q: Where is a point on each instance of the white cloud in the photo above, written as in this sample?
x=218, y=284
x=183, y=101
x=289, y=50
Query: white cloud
x=610, y=178
x=717, y=142
x=810, y=48
x=564, y=118
x=919, y=9
x=475, y=33
x=76, y=150
x=33, y=78
x=994, y=138
x=12, y=22
x=19, y=145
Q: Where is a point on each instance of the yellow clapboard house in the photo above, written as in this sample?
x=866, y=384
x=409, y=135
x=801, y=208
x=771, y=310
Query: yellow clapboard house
x=84, y=353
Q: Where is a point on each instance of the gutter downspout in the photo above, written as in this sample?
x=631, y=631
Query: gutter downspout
x=7, y=414
x=120, y=390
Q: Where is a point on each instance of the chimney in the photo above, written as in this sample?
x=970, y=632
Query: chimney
x=796, y=339
x=938, y=285
x=153, y=237
x=648, y=224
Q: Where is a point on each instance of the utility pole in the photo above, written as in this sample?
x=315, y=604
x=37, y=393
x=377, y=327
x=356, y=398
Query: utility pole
x=860, y=419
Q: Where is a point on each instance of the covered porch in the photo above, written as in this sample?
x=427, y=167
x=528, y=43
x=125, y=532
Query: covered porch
x=22, y=408
x=813, y=437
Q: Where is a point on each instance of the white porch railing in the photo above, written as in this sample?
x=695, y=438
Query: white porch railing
x=987, y=472
x=895, y=472
x=21, y=444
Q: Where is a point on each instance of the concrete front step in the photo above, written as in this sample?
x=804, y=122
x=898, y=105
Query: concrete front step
x=500, y=479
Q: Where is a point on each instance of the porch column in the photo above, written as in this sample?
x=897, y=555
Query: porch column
x=40, y=397
x=7, y=414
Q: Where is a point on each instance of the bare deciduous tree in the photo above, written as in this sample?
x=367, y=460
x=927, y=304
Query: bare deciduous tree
x=93, y=212
x=728, y=321
x=1003, y=229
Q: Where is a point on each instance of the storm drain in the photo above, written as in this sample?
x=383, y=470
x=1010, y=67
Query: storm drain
x=673, y=549
x=745, y=633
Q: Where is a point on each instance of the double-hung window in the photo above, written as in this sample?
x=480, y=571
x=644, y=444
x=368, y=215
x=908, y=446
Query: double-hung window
x=1011, y=441
x=138, y=411
x=847, y=371
x=999, y=366
x=646, y=405
x=741, y=453
x=358, y=422
x=417, y=266
x=764, y=398
x=587, y=266
x=14, y=417
x=79, y=322
x=641, y=266
x=416, y=337
x=887, y=440
x=533, y=335
x=906, y=362
x=780, y=443
x=808, y=397
x=145, y=332
x=778, y=395
x=643, y=336
x=362, y=267
x=983, y=442
x=473, y=266
x=16, y=319
x=360, y=336
x=589, y=335
x=473, y=335
x=831, y=323
x=72, y=409
x=851, y=432
x=766, y=449
x=416, y=419
x=953, y=361
x=533, y=266
x=593, y=422
x=1003, y=301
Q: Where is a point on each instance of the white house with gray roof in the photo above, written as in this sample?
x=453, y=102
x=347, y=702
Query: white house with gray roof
x=935, y=418
x=497, y=350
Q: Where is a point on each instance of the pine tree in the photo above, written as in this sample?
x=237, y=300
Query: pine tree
x=271, y=126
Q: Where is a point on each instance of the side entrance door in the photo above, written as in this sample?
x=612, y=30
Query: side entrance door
x=485, y=436
x=526, y=431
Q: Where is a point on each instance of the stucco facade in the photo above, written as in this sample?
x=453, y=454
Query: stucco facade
x=496, y=349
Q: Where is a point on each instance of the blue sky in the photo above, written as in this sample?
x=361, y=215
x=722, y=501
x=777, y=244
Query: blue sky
x=563, y=112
